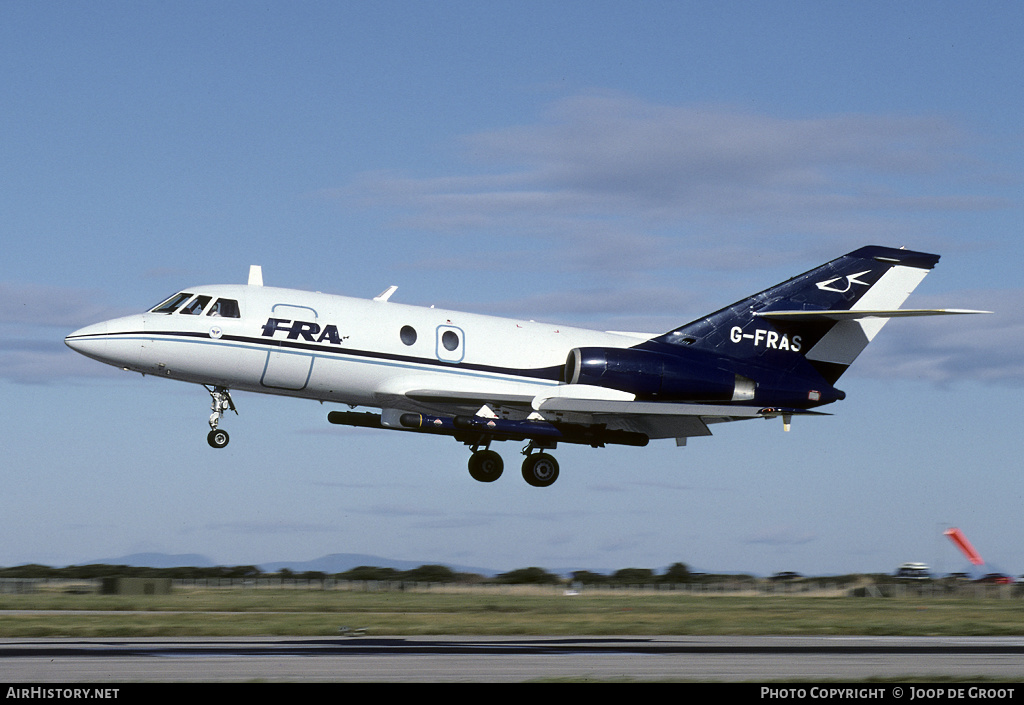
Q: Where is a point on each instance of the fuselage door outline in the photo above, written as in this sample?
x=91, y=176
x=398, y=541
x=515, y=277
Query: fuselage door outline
x=285, y=368
x=450, y=345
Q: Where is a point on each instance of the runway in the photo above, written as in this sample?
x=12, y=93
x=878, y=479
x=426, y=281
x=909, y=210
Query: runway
x=507, y=659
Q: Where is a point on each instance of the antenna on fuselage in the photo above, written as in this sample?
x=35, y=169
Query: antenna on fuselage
x=386, y=294
x=255, y=275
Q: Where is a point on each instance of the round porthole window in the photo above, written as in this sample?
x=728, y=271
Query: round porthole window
x=450, y=340
x=408, y=335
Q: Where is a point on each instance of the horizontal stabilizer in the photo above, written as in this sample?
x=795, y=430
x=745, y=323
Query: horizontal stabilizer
x=852, y=315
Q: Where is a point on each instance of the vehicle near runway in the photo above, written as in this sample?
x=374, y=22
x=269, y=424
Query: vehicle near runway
x=914, y=571
x=785, y=576
x=483, y=379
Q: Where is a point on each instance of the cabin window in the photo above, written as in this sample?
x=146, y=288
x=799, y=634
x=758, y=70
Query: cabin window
x=195, y=308
x=171, y=305
x=408, y=335
x=450, y=340
x=225, y=308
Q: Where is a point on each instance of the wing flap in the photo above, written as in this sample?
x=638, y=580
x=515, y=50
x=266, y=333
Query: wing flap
x=423, y=395
x=655, y=419
x=644, y=408
x=462, y=398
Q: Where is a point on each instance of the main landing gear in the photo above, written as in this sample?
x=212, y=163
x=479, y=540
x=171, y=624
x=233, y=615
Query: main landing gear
x=539, y=469
x=218, y=438
x=485, y=465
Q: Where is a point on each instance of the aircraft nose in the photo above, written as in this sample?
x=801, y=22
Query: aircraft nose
x=88, y=339
x=115, y=342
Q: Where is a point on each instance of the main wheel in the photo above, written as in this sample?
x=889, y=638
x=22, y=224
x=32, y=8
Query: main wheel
x=217, y=438
x=486, y=466
x=540, y=470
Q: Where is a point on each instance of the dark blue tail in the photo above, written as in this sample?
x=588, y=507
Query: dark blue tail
x=809, y=328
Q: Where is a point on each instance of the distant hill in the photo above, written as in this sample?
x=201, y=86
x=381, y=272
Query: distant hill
x=341, y=562
x=157, y=560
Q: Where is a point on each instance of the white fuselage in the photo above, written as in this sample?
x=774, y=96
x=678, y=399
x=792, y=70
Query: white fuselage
x=478, y=379
x=338, y=349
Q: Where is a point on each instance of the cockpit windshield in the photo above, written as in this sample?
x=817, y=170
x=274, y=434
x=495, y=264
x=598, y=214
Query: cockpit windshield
x=225, y=308
x=196, y=306
x=222, y=308
x=171, y=305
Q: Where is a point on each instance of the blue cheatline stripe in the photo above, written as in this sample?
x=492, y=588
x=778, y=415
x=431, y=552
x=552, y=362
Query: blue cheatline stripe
x=550, y=375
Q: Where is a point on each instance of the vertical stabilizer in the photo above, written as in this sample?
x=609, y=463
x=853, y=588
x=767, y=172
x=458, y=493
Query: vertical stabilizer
x=822, y=319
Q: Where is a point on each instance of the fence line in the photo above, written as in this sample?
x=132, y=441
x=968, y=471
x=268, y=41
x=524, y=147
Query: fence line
x=925, y=589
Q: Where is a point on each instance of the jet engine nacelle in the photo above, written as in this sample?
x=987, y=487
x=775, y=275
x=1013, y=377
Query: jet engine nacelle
x=654, y=375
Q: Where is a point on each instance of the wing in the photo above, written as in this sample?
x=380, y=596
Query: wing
x=459, y=396
x=579, y=405
x=655, y=419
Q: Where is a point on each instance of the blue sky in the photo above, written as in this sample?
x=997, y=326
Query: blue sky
x=623, y=166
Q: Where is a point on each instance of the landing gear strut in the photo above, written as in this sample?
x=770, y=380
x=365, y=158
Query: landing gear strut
x=218, y=438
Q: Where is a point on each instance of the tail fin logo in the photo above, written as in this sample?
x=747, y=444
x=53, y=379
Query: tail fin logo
x=851, y=279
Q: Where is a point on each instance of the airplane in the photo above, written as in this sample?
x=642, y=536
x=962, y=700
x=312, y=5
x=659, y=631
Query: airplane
x=484, y=379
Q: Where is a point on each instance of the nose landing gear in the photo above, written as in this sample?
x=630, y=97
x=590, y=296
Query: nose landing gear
x=218, y=438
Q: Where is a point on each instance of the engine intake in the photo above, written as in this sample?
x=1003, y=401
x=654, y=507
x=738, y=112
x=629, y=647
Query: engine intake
x=654, y=375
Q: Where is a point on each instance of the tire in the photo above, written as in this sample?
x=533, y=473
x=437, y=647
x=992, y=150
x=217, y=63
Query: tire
x=540, y=470
x=217, y=438
x=486, y=466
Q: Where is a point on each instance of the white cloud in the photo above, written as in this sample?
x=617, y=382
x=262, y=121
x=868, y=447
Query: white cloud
x=601, y=168
x=63, y=307
x=654, y=204
x=945, y=349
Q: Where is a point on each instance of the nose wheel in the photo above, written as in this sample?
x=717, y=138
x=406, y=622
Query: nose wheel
x=218, y=438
